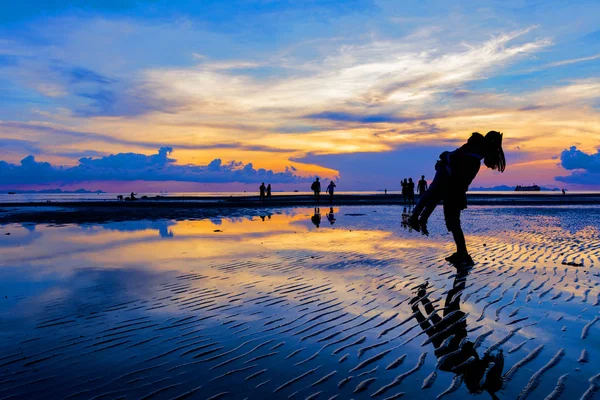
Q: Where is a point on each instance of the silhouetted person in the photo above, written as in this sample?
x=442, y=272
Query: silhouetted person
x=316, y=218
x=404, y=185
x=411, y=192
x=455, y=170
x=564, y=191
x=458, y=354
x=330, y=190
x=262, y=190
x=269, y=191
x=133, y=196
x=422, y=186
x=120, y=197
x=331, y=216
x=316, y=188
x=385, y=191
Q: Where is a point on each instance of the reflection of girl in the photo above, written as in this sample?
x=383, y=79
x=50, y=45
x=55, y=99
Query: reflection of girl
x=454, y=173
x=449, y=337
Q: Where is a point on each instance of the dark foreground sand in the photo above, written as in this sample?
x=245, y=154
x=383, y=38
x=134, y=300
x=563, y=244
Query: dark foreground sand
x=274, y=307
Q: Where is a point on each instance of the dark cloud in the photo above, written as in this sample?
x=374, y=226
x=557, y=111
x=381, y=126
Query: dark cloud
x=420, y=128
x=375, y=171
x=19, y=145
x=576, y=159
x=79, y=154
x=585, y=167
x=80, y=74
x=133, y=166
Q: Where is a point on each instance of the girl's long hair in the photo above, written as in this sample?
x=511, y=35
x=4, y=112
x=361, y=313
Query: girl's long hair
x=494, y=155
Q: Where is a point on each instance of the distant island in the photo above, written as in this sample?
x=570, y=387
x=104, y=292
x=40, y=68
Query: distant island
x=55, y=191
x=505, y=188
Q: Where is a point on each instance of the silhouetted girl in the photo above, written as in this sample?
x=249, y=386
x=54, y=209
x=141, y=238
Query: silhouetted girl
x=455, y=171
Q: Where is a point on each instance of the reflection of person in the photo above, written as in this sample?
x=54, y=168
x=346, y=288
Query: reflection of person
x=316, y=218
x=331, y=216
x=316, y=188
x=269, y=191
x=455, y=171
x=405, y=216
x=449, y=337
x=262, y=189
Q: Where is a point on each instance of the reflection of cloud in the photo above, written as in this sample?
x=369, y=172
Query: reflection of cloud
x=132, y=166
x=162, y=226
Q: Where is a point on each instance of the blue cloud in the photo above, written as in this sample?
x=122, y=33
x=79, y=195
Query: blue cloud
x=585, y=167
x=134, y=166
x=576, y=159
x=19, y=145
x=341, y=116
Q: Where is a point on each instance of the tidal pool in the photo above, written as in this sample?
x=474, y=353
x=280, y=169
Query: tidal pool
x=292, y=303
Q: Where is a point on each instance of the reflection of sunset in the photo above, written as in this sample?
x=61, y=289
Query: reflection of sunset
x=251, y=292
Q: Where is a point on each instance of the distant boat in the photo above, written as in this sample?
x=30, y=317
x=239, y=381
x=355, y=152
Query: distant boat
x=12, y=192
x=534, y=188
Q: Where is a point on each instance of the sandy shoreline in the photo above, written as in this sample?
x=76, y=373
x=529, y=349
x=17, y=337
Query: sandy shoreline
x=205, y=207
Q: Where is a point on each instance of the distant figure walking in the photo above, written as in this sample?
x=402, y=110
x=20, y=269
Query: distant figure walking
x=269, y=191
x=120, y=197
x=564, y=191
x=331, y=216
x=316, y=218
x=262, y=190
x=411, y=192
x=133, y=196
x=316, y=188
x=385, y=191
x=330, y=190
x=422, y=186
x=455, y=171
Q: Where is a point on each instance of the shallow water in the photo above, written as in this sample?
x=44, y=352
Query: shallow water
x=273, y=307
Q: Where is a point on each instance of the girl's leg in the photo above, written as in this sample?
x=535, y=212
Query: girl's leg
x=459, y=239
x=452, y=215
x=429, y=200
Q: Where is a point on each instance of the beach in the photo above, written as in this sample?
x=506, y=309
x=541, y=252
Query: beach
x=66, y=209
x=235, y=299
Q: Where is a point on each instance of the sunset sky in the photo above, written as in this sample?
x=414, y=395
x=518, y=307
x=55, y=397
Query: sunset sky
x=221, y=95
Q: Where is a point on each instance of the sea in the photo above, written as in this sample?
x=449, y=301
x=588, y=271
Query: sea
x=205, y=196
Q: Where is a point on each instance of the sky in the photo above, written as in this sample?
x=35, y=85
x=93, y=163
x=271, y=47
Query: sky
x=222, y=95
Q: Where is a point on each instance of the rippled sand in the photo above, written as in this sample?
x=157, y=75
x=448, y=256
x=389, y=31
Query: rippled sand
x=273, y=307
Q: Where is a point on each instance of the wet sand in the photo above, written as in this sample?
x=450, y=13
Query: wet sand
x=204, y=207
x=264, y=304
